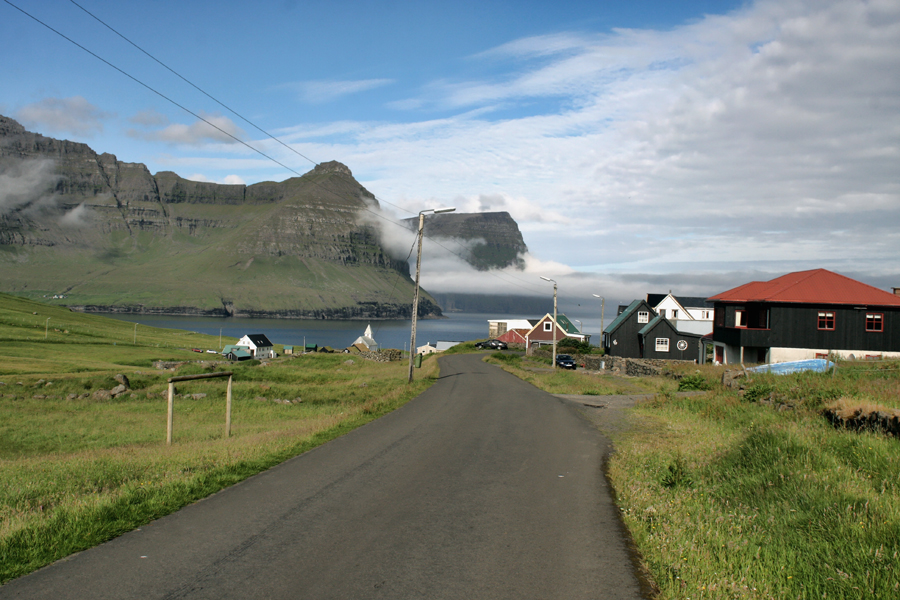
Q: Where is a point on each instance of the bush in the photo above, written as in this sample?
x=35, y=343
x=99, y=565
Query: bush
x=758, y=391
x=574, y=346
x=692, y=383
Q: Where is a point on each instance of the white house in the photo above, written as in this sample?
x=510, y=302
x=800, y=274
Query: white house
x=258, y=345
x=439, y=347
x=497, y=327
x=687, y=314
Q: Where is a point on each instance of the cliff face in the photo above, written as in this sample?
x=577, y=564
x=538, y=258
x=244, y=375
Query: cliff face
x=491, y=240
x=109, y=235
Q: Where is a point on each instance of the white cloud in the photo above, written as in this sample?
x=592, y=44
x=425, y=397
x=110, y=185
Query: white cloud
x=215, y=128
x=73, y=115
x=325, y=90
x=149, y=118
x=769, y=133
x=228, y=180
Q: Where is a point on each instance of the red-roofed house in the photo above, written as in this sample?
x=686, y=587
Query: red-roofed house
x=805, y=315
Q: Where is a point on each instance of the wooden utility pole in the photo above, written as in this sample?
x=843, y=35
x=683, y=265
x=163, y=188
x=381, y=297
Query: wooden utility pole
x=415, y=306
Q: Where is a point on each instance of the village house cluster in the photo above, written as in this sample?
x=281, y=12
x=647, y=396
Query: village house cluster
x=801, y=315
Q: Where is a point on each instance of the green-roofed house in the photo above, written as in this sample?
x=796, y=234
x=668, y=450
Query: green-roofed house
x=238, y=353
x=231, y=347
x=621, y=336
x=542, y=332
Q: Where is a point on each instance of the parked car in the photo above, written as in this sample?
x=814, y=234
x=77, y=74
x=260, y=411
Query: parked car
x=564, y=361
x=492, y=345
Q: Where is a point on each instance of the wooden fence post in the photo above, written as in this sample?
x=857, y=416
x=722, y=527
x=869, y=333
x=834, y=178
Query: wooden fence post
x=171, y=418
x=228, y=408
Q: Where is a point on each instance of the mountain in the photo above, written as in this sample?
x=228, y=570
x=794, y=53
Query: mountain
x=485, y=240
x=107, y=236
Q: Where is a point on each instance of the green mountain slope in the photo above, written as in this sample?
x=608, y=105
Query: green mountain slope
x=109, y=236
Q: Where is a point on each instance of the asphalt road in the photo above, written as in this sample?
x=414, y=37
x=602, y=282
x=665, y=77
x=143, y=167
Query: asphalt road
x=482, y=487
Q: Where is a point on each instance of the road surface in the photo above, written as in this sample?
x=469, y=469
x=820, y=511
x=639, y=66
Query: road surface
x=483, y=487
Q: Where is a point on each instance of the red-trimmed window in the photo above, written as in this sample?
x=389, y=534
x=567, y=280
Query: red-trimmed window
x=662, y=344
x=826, y=320
x=874, y=322
x=643, y=316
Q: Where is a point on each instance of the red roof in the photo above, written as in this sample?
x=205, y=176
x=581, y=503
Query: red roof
x=818, y=286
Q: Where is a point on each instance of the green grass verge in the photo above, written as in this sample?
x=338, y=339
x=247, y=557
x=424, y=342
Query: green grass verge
x=757, y=495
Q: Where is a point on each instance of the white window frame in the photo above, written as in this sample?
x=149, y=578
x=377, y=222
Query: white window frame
x=662, y=344
x=643, y=316
x=548, y=326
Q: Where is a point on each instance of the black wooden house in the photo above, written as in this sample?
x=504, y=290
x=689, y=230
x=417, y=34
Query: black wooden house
x=807, y=314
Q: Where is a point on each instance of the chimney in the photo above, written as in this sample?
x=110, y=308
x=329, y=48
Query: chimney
x=896, y=291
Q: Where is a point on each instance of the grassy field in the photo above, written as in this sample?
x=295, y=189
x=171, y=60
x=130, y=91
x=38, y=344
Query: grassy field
x=78, y=468
x=756, y=495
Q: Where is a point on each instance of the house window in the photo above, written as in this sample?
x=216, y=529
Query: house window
x=643, y=316
x=548, y=326
x=740, y=318
x=704, y=314
x=826, y=320
x=720, y=316
x=662, y=344
x=874, y=322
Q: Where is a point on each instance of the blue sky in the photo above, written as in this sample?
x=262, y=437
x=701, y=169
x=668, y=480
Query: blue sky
x=641, y=146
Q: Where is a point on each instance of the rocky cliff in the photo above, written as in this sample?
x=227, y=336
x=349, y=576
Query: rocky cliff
x=487, y=240
x=107, y=235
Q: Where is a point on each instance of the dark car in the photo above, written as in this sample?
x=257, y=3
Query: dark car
x=492, y=344
x=564, y=361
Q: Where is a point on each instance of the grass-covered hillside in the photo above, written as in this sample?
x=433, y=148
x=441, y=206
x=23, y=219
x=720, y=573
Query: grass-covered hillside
x=79, y=466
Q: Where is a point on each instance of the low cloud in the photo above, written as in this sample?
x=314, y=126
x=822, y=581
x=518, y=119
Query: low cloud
x=26, y=185
x=78, y=217
x=73, y=115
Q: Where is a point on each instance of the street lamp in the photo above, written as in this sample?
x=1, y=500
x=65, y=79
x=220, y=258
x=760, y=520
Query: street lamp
x=415, y=306
x=554, y=318
x=602, y=306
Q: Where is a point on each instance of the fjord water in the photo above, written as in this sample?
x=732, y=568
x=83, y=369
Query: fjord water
x=456, y=327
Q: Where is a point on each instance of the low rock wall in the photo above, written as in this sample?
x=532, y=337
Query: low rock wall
x=859, y=420
x=633, y=367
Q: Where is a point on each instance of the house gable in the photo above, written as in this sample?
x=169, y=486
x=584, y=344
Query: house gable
x=621, y=337
x=660, y=339
x=542, y=332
